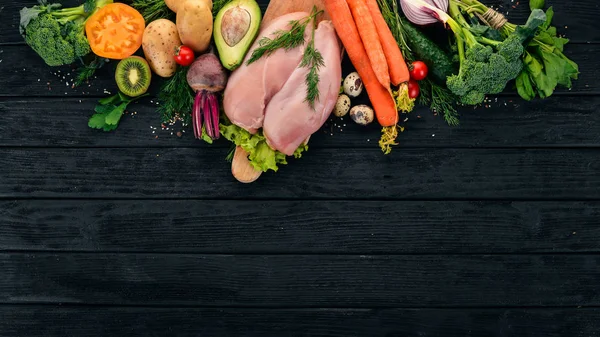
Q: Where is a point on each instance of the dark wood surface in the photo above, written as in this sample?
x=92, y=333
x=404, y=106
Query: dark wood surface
x=487, y=229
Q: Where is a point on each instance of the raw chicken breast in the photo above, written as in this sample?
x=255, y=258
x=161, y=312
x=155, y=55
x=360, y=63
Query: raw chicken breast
x=289, y=120
x=251, y=87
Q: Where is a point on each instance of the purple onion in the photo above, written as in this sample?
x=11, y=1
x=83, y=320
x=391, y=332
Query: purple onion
x=423, y=12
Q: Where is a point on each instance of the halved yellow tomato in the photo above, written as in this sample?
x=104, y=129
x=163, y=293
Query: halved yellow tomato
x=115, y=31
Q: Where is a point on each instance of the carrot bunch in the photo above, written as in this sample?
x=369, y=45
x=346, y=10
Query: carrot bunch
x=376, y=56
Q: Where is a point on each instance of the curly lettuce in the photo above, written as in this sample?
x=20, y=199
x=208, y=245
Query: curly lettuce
x=261, y=156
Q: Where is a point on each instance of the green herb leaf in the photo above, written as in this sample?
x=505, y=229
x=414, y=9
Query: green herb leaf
x=536, y=4
x=115, y=115
x=97, y=121
x=109, y=112
x=525, y=87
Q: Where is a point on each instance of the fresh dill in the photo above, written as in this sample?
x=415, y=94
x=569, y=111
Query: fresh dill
x=313, y=60
x=153, y=10
x=440, y=100
x=176, y=98
x=293, y=38
x=87, y=71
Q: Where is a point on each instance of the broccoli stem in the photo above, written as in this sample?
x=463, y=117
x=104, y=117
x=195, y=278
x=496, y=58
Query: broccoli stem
x=459, y=25
x=485, y=40
x=68, y=12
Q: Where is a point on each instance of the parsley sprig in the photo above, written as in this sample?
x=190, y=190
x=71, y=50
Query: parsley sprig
x=109, y=112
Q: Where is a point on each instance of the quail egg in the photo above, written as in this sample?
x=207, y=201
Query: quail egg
x=362, y=114
x=353, y=85
x=342, y=106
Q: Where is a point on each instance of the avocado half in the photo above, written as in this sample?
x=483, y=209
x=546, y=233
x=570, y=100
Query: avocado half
x=236, y=26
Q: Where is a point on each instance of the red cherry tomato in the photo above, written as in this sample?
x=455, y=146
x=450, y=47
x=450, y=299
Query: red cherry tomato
x=184, y=56
x=413, y=89
x=418, y=71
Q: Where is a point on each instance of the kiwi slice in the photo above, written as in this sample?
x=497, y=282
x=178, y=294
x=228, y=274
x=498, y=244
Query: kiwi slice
x=133, y=76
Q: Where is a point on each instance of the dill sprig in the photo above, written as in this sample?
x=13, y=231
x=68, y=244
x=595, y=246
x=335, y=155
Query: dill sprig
x=293, y=38
x=153, y=10
x=312, y=59
x=176, y=98
x=86, y=71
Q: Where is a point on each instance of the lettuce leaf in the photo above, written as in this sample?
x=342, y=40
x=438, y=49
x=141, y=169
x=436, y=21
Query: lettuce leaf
x=261, y=156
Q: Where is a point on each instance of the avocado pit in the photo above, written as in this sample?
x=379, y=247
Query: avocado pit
x=235, y=25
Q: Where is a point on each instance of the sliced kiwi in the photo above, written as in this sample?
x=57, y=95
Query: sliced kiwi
x=133, y=76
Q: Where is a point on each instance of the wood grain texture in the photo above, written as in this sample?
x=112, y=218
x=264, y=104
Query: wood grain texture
x=349, y=174
x=300, y=227
x=28, y=75
x=301, y=280
x=58, y=321
x=579, y=30
x=558, y=121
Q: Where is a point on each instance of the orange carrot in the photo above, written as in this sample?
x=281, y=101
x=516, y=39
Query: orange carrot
x=370, y=40
x=380, y=96
x=395, y=61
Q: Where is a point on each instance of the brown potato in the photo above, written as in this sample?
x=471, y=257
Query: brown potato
x=159, y=42
x=195, y=24
x=173, y=4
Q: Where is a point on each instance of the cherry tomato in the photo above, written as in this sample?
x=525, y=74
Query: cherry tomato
x=418, y=71
x=184, y=56
x=413, y=89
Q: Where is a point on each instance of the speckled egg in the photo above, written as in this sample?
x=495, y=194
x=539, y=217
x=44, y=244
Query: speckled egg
x=362, y=114
x=353, y=85
x=342, y=106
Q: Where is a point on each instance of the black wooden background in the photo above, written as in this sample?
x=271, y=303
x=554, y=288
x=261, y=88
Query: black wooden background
x=488, y=229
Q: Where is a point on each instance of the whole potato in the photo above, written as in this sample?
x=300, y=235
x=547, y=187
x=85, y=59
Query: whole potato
x=159, y=42
x=174, y=4
x=195, y=24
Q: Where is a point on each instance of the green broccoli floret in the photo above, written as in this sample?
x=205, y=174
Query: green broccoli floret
x=58, y=34
x=76, y=37
x=486, y=65
x=511, y=48
x=43, y=36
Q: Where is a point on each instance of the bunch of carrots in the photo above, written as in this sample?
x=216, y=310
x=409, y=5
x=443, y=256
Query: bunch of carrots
x=377, y=58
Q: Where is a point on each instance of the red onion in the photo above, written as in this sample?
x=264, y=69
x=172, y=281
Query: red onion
x=424, y=12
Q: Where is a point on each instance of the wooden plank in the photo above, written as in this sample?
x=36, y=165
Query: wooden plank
x=28, y=75
x=572, y=18
x=322, y=173
x=559, y=121
x=300, y=227
x=300, y=280
x=51, y=321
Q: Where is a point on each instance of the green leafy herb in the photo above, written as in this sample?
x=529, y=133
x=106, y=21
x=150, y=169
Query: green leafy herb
x=85, y=72
x=109, y=112
x=546, y=66
x=536, y=4
x=153, y=10
x=176, y=98
x=291, y=39
x=313, y=60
